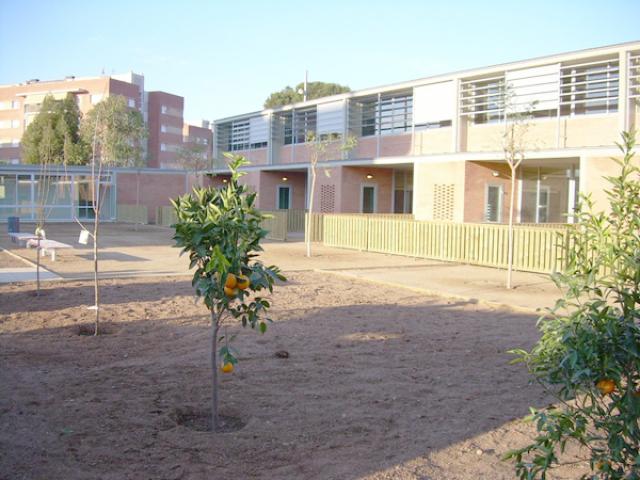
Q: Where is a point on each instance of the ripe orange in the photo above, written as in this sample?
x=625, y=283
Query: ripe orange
x=243, y=282
x=227, y=368
x=230, y=292
x=606, y=386
x=231, y=282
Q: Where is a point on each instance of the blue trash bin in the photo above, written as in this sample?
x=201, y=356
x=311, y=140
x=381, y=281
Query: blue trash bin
x=13, y=224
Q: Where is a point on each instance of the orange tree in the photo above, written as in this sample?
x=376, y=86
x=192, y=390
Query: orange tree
x=589, y=351
x=221, y=231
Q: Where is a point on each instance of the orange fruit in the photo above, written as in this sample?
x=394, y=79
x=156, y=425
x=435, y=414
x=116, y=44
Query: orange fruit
x=243, y=282
x=231, y=282
x=227, y=368
x=230, y=292
x=606, y=386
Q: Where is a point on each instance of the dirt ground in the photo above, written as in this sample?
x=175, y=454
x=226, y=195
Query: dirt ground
x=9, y=261
x=381, y=383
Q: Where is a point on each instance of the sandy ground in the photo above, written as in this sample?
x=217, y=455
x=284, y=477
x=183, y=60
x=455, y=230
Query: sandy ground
x=381, y=383
x=133, y=250
x=9, y=261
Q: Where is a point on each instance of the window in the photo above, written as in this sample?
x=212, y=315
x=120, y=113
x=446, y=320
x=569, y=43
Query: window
x=548, y=194
x=403, y=192
x=163, y=128
x=634, y=76
x=132, y=102
x=163, y=147
x=9, y=105
x=493, y=203
x=368, y=203
x=164, y=109
x=589, y=88
x=482, y=100
x=304, y=124
x=284, y=197
x=387, y=114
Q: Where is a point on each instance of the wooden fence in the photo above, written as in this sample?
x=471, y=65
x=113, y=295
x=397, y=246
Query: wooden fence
x=132, y=214
x=295, y=220
x=536, y=249
x=166, y=216
x=276, y=224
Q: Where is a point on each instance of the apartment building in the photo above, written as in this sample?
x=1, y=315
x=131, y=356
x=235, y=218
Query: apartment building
x=434, y=147
x=152, y=185
x=162, y=112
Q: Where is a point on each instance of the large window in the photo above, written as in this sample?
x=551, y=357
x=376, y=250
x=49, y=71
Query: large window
x=387, y=114
x=54, y=197
x=548, y=194
x=589, y=88
x=482, y=101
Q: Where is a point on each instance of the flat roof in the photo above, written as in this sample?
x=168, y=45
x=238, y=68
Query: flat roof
x=471, y=72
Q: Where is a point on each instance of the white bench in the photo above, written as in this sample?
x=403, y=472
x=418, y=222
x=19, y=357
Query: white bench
x=47, y=246
x=21, y=237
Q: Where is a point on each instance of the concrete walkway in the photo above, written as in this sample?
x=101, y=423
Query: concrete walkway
x=25, y=274
x=531, y=292
x=133, y=251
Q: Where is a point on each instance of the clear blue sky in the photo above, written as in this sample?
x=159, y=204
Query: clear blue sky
x=225, y=57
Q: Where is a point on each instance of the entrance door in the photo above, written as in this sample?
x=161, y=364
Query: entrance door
x=368, y=199
x=284, y=198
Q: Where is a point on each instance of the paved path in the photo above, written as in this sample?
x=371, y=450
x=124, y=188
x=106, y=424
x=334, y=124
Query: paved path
x=25, y=274
x=531, y=291
x=128, y=250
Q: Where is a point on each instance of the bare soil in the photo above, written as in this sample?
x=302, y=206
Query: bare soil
x=379, y=383
x=10, y=261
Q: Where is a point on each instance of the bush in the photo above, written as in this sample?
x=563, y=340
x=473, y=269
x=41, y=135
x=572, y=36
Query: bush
x=589, y=351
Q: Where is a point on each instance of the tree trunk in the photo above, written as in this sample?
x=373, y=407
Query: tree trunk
x=215, y=326
x=96, y=305
x=510, y=238
x=38, y=266
x=309, y=218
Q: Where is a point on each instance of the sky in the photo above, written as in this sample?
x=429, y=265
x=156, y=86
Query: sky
x=226, y=57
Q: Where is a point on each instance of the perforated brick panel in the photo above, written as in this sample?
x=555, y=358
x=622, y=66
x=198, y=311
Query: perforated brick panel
x=327, y=198
x=443, y=195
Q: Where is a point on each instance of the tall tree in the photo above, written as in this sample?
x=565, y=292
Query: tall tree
x=115, y=133
x=289, y=95
x=58, y=126
x=194, y=158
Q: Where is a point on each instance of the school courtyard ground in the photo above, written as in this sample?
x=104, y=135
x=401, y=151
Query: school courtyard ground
x=397, y=368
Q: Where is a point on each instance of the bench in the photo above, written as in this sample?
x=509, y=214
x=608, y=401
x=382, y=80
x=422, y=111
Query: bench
x=21, y=237
x=49, y=246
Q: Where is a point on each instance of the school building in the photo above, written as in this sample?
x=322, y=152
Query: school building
x=433, y=147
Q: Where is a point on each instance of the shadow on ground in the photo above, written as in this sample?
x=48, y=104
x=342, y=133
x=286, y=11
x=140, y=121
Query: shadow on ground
x=374, y=382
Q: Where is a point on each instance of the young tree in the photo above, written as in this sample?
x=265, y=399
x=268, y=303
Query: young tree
x=589, y=352
x=115, y=133
x=321, y=147
x=220, y=229
x=193, y=157
x=289, y=95
x=514, y=146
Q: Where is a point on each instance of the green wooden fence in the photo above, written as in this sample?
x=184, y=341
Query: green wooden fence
x=536, y=248
x=132, y=213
